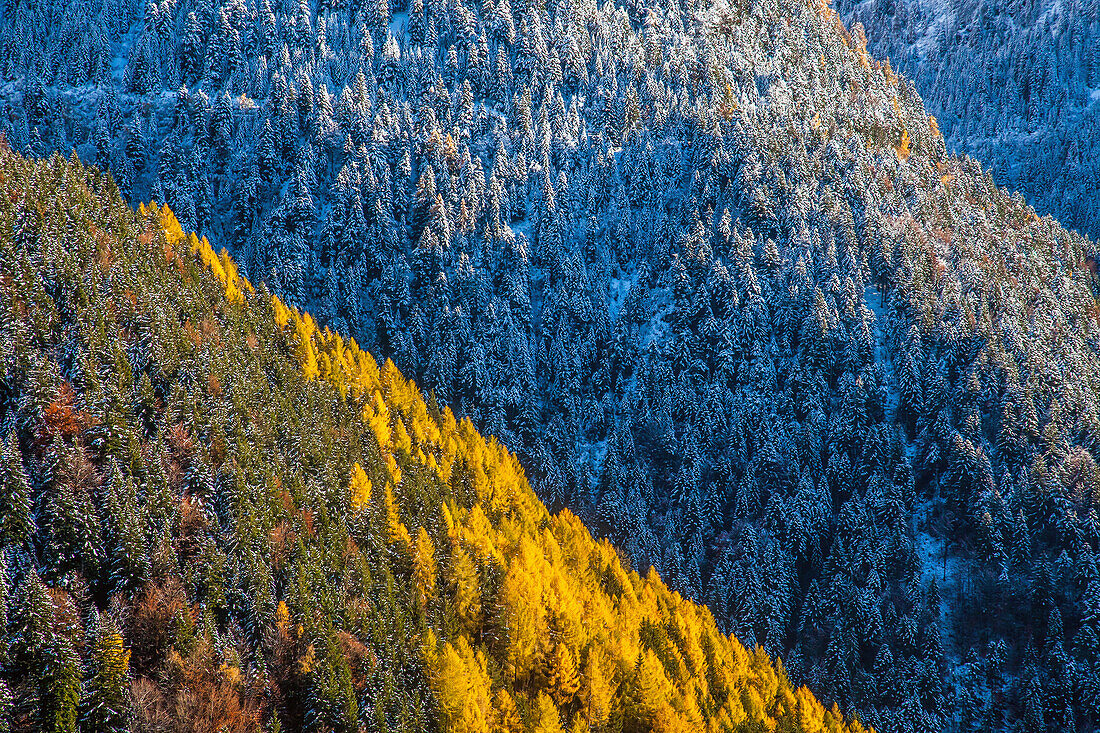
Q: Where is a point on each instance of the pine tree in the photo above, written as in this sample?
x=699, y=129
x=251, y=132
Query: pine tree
x=129, y=555
x=59, y=686
x=7, y=708
x=332, y=703
x=135, y=146
x=16, y=524
x=105, y=705
x=619, y=160
x=266, y=154
x=221, y=131
x=101, y=140
x=190, y=50
x=43, y=646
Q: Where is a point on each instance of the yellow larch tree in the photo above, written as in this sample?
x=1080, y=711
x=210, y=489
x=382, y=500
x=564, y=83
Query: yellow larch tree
x=507, y=718
x=461, y=684
x=396, y=532
x=359, y=487
x=545, y=717
x=424, y=567
x=465, y=586
x=560, y=673
x=598, y=687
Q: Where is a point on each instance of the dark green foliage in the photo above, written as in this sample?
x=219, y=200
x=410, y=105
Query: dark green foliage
x=706, y=267
x=59, y=687
x=186, y=479
x=16, y=523
x=331, y=703
x=106, y=704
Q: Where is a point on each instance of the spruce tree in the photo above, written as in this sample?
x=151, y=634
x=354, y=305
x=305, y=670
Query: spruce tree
x=16, y=523
x=105, y=705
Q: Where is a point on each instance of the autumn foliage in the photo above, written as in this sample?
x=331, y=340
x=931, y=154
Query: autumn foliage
x=539, y=626
x=224, y=517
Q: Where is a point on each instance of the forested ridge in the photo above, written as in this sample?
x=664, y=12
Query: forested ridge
x=706, y=267
x=1015, y=85
x=219, y=518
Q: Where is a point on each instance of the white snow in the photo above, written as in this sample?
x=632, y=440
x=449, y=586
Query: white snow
x=399, y=24
x=616, y=294
x=122, y=52
x=935, y=562
x=524, y=227
x=596, y=452
x=877, y=303
x=942, y=14
x=1051, y=16
x=946, y=569
x=654, y=329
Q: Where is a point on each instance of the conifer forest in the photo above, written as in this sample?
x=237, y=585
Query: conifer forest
x=587, y=366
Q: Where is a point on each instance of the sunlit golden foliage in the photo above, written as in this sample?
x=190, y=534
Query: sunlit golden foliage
x=564, y=637
x=902, y=147
x=359, y=486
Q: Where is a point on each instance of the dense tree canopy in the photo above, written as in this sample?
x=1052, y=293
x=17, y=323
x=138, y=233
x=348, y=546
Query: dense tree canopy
x=707, y=267
x=1016, y=85
x=217, y=559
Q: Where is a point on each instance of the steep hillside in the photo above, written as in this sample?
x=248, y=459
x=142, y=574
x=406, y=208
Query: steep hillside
x=217, y=517
x=1015, y=85
x=706, y=266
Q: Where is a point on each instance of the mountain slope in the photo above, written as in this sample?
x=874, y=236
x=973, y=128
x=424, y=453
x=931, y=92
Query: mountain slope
x=1015, y=85
x=707, y=267
x=221, y=518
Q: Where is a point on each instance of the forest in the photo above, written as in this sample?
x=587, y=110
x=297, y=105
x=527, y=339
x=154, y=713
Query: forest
x=220, y=518
x=1015, y=85
x=708, y=269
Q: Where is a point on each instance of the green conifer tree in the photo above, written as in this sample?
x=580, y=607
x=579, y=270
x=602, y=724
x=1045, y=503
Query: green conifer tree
x=16, y=523
x=105, y=705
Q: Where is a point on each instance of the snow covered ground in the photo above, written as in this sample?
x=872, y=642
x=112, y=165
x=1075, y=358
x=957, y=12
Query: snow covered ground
x=876, y=301
x=937, y=564
x=617, y=292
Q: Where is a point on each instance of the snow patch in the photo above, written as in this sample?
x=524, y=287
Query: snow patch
x=592, y=454
x=946, y=569
x=1051, y=16
x=655, y=328
x=399, y=24
x=876, y=303
x=122, y=53
x=942, y=15
x=617, y=291
x=524, y=227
